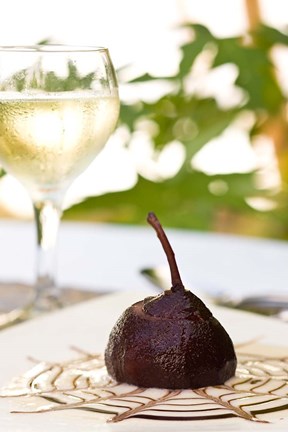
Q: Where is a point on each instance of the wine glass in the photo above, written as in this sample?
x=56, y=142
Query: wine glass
x=58, y=106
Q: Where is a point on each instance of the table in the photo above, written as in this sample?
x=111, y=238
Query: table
x=109, y=257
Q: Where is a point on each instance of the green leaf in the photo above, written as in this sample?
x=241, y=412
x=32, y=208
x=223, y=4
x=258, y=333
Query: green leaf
x=191, y=50
x=183, y=201
x=211, y=122
x=129, y=114
x=256, y=74
x=190, y=120
x=266, y=37
x=147, y=77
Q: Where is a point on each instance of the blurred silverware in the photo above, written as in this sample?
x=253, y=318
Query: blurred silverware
x=270, y=305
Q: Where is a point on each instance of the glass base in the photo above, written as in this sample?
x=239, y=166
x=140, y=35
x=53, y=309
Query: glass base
x=17, y=301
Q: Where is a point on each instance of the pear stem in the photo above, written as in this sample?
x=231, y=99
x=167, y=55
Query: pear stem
x=175, y=275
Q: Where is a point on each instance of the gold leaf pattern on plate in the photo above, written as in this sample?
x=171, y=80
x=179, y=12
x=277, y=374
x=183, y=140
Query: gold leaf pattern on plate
x=258, y=392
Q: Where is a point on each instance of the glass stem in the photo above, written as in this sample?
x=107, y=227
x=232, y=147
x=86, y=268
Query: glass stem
x=47, y=217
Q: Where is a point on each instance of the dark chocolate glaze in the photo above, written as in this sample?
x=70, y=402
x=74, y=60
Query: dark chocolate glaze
x=170, y=341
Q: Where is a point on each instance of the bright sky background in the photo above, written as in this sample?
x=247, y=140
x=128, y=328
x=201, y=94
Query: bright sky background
x=142, y=33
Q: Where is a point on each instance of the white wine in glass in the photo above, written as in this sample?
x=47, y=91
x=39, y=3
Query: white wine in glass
x=58, y=106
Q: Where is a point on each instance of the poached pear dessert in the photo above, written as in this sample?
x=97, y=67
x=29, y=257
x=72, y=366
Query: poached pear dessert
x=171, y=340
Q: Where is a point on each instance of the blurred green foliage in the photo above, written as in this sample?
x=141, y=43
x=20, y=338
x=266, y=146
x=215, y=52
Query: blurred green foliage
x=35, y=78
x=193, y=199
x=187, y=200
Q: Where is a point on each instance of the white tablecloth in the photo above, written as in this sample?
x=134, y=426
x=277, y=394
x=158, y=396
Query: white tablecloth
x=97, y=256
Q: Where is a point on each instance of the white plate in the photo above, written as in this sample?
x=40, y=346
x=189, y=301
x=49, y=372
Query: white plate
x=87, y=326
